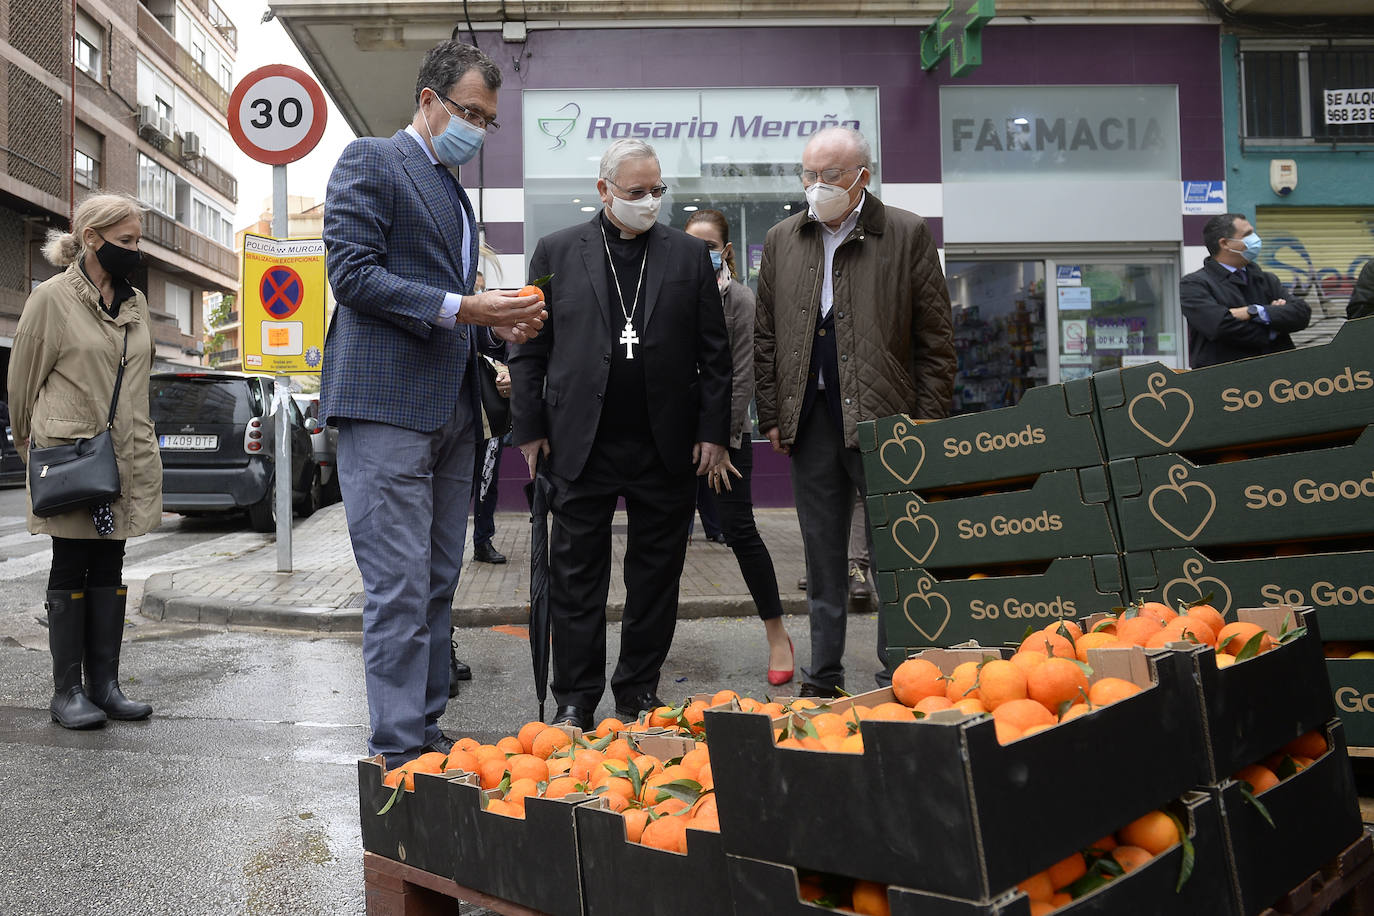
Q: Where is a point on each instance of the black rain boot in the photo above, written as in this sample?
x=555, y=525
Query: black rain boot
x=70, y=706
x=104, y=636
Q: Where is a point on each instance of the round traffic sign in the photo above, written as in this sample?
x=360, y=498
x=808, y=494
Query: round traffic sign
x=277, y=114
x=282, y=291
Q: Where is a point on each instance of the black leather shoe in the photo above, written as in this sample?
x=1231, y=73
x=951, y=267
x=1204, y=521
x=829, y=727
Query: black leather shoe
x=485, y=553
x=458, y=671
x=575, y=716
x=819, y=690
x=630, y=707
x=443, y=744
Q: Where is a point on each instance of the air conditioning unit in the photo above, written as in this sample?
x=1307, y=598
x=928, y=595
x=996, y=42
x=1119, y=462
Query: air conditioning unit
x=164, y=127
x=147, y=121
x=190, y=145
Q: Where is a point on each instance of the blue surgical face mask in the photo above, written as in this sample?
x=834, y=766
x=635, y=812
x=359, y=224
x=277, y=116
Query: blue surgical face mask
x=716, y=258
x=459, y=142
x=1252, y=246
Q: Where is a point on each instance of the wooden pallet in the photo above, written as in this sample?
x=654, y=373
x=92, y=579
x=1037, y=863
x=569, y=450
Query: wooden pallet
x=395, y=889
x=1344, y=885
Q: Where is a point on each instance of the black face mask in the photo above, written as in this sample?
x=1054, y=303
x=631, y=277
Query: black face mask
x=119, y=262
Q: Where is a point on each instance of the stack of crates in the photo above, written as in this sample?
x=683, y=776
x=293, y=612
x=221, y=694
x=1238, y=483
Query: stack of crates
x=988, y=523
x=1253, y=482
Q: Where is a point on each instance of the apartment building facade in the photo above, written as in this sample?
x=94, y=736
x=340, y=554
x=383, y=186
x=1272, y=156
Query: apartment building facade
x=126, y=96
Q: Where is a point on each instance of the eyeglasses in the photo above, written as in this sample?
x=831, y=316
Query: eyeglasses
x=480, y=121
x=829, y=176
x=657, y=191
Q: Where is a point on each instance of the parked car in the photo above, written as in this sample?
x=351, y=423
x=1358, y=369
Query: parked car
x=217, y=434
x=325, y=443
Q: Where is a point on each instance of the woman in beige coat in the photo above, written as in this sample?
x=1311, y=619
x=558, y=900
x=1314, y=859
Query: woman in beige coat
x=66, y=354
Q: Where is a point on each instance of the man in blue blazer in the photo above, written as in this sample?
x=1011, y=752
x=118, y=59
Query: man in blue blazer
x=399, y=382
x=627, y=394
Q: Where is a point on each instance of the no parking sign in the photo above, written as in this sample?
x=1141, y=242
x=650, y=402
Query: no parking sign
x=283, y=307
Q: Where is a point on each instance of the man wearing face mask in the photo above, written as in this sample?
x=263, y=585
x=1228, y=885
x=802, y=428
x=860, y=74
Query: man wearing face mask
x=399, y=381
x=625, y=394
x=1233, y=308
x=853, y=323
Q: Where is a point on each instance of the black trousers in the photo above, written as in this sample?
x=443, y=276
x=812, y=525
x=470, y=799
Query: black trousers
x=659, y=506
x=79, y=563
x=736, y=508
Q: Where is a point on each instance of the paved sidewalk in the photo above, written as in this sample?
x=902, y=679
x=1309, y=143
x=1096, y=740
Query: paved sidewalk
x=324, y=590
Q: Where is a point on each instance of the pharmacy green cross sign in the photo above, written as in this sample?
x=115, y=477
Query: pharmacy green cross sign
x=958, y=32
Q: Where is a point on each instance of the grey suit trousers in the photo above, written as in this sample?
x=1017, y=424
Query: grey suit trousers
x=825, y=476
x=406, y=494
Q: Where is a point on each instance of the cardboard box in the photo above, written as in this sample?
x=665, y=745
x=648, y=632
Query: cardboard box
x=1352, y=691
x=923, y=609
x=1316, y=815
x=1051, y=428
x=1151, y=890
x=1255, y=707
x=941, y=806
x=660, y=883
x=1063, y=514
x=1168, y=501
x=417, y=830
x=1154, y=410
x=532, y=861
x=1340, y=585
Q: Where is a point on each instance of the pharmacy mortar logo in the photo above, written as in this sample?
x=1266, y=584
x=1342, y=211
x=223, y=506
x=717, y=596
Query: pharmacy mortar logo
x=558, y=128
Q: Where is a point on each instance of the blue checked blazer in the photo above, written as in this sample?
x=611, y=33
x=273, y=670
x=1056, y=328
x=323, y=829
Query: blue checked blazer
x=390, y=230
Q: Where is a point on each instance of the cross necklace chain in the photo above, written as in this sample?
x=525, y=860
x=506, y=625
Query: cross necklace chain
x=628, y=337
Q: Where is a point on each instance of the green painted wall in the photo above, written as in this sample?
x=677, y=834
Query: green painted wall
x=1327, y=176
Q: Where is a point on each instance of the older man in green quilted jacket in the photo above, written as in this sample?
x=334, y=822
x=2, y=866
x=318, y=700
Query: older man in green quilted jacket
x=853, y=323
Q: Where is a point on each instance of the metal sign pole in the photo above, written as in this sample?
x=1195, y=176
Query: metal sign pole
x=280, y=229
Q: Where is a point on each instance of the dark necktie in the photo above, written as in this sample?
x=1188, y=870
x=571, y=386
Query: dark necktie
x=450, y=184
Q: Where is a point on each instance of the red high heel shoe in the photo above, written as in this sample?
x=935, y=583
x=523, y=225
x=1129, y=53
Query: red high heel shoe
x=778, y=676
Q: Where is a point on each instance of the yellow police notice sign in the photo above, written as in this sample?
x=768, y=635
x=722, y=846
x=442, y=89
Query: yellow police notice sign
x=283, y=305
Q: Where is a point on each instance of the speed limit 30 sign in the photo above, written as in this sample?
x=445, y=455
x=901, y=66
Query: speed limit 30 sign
x=277, y=114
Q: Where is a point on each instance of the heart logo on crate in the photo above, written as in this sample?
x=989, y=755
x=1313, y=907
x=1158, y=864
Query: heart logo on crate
x=904, y=455
x=1162, y=413
x=932, y=620
x=1183, y=508
x=918, y=542
x=1199, y=587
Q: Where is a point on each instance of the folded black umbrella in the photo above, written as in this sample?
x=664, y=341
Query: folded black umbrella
x=539, y=492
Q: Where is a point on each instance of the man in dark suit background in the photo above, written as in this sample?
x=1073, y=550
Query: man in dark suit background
x=626, y=393
x=398, y=381
x=1233, y=308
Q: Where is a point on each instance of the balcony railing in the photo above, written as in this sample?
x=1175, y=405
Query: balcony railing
x=202, y=80
x=222, y=356
x=224, y=25
x=155, y=33
x=228, y=319
x=207, y=169
x=168, y=233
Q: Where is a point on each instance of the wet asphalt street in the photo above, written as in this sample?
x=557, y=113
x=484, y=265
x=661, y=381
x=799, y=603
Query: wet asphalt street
x=240, y=795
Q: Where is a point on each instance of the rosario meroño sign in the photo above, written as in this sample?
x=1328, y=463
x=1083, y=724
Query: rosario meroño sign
x=696, y=133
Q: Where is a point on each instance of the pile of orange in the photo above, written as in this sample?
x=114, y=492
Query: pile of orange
x=1292, y=758
x=1132, y=846
x=843, y=894
x=1154, y=625
x=659, y=799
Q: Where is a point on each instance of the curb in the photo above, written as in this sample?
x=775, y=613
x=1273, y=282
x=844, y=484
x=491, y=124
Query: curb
x=162, y=601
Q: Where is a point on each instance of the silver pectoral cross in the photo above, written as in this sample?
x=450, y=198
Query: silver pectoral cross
x=629, y=338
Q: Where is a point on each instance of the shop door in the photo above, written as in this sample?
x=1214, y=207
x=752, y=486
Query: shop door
x=1021, y=323
x=1109, y=313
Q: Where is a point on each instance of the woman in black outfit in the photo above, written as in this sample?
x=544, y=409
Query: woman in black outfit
x=734, y=500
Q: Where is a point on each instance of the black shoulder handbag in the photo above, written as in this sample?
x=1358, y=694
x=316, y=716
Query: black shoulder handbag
x=67, y=477
x=494, y=404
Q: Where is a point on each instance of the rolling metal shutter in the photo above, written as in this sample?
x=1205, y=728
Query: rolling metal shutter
x=1318, y=252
